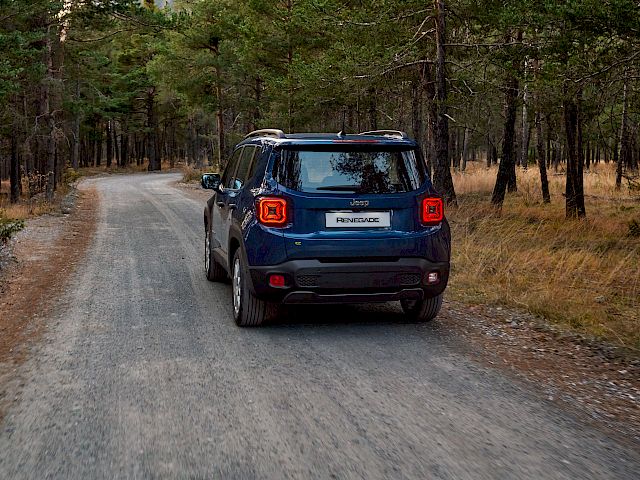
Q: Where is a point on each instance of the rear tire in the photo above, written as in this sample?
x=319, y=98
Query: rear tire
x=422, y=310
x=248, y=311
x=215, y=272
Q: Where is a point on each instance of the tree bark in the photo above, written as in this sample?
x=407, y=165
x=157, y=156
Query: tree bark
x=256, y=114
x=14, y=172
x=465, y=149
x=429, y=93
x=152, y=138
x=220, y=117
x=442, y=180
x=587, y=158
x=116, y=147
x=416, y=113
x=526, y=130
x=580, y=165
x=373, y=109
x=454, y=160
x=573, y=193
x=48, y=117
x=124, y=147
x=625, y=150
x=75, y=152
x=109, y=144
x=98, y=147
x=542, y=158
x=542, y=162
x=506, y=170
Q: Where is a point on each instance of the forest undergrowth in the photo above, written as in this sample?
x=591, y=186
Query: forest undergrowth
x=581, y=274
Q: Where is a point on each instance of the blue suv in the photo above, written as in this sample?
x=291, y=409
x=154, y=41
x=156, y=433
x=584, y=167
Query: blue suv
x=326, y=218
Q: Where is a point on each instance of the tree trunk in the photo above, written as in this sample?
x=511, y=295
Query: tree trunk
x=152, y=138
x=198, y=149
x=14, y=172
x=124, y=147
x=587, y=158
x=442, y=180
x=116, y=147
x=454, y=161
x=48, y=117
x=141, y=150
x=373, y=109
x=192, y=142
x=255, y=114
x=109, y=144
x=489, y=151
x=429, y=95
x=98, y=147
x=27, y=153
x=540, y=151
x=574, y=204
x=220, y=120
x=465, y=148
x=506, y=169
x=75, y=153
x=625, y=147
x=580, y=165
x=174, y=147
x=526, y=130
x=416, y=113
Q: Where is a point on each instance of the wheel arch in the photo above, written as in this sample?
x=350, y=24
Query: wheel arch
x=236, y=244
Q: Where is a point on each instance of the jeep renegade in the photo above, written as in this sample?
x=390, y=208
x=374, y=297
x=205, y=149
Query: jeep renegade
x=326, y=218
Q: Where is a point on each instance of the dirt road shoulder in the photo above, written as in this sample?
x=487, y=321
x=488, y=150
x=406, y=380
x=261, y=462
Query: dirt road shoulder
x=43, y=257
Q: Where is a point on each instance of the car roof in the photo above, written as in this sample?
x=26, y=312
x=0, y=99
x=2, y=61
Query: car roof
x=385, y=138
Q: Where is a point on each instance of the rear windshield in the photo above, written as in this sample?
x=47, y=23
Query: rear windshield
x=349, y=170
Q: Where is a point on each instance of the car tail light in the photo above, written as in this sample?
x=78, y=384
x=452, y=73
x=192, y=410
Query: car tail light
x=431, y=211
x=277, y=281
x=272, y=211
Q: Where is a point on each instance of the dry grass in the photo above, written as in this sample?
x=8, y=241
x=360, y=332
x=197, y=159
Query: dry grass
x=32, y=207
x=191, y=174
x=582, y=274
x=28, y=207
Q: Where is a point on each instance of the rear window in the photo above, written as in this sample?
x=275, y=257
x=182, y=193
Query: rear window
x=349, y=170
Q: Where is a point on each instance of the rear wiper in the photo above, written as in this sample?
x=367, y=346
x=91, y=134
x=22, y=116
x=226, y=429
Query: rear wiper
x=340, y=188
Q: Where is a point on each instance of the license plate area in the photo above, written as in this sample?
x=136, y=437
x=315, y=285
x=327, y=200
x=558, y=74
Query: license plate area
x=363, y=219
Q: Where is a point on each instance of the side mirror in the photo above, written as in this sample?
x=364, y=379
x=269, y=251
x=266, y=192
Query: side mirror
x=210, y=181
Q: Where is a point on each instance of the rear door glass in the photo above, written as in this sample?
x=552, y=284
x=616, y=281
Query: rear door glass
x=350, y=171
x=228, y=177
x=246, y=160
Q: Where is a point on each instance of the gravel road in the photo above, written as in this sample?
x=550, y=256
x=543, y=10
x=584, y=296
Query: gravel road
x=143, y=374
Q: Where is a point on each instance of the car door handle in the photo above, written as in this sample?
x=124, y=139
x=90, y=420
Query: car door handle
x=220, y=204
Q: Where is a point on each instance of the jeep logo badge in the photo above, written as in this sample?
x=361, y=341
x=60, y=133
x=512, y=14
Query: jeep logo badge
x=359, y=203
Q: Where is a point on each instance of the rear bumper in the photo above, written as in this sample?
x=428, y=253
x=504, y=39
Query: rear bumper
x=304, y=297
x=313, y=281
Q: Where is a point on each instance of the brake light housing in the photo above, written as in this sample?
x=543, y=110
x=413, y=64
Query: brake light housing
x=277, y=281
x=272, y=211
x=431, y=211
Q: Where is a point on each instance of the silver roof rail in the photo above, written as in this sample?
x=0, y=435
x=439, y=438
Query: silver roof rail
x=267, y=132
x=386, y=133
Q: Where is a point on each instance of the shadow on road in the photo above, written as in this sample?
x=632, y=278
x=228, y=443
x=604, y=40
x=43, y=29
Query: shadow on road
x=350, y=315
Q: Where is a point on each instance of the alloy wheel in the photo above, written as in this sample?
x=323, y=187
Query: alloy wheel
x=207, y=251
x=237, y=287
